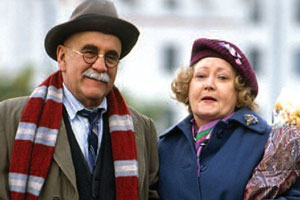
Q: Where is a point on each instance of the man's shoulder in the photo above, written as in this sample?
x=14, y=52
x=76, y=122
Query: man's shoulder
x=13, y=101
x=13, y=105
x=136, y=114
x=10, y=114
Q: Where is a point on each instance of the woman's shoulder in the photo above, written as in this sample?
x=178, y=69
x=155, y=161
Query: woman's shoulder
x=182, y=126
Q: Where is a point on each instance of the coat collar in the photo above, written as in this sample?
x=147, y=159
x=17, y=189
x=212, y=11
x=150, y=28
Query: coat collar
x=244, y=116
x=183, y=125
x=250, y=120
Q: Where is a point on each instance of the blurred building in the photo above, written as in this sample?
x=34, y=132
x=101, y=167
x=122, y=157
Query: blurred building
x=266, y=30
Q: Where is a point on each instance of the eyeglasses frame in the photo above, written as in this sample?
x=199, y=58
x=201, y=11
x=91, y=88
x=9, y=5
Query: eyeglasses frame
x=98, y=56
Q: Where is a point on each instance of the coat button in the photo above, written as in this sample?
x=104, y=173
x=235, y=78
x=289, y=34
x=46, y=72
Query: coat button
x=203, y=168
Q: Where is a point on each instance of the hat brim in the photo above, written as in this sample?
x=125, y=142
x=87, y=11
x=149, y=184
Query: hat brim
x=125, y=31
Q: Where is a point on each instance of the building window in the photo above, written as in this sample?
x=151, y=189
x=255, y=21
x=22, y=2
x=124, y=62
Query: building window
x=170, y=58
x=255, y=11
x=129, y=2
x=297, y=62
x=171, y=4
x=297, y=11
x=255, y=59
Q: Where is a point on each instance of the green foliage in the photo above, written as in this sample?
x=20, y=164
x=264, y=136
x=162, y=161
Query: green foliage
x=18, y=85
x=158, y=111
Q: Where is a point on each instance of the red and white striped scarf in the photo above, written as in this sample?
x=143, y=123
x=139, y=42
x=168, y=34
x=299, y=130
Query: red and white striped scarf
x=36, y=138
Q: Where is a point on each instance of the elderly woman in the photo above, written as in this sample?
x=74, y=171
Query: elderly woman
x=211, y=153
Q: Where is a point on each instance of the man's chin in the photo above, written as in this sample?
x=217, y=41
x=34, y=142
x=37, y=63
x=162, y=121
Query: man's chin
x=92, y=101
x=95, y=93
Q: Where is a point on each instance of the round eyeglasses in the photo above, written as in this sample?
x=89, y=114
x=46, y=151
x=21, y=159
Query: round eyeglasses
x=111, y=60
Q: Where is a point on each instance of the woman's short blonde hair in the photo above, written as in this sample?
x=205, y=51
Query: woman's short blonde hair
x=181, y=82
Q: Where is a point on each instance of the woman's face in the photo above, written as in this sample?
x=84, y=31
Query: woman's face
x=212, y=94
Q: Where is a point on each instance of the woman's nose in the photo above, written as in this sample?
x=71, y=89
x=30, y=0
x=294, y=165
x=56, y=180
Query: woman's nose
x=209, y=84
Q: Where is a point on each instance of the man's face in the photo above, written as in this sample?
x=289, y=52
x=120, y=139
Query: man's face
x=89, y=90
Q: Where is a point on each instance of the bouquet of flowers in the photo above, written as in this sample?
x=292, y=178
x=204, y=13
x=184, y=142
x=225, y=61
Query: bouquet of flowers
x=279, y=168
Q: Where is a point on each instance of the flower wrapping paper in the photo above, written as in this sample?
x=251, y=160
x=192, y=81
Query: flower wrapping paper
x=279, y=168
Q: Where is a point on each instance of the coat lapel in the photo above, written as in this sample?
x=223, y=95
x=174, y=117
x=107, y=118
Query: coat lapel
x=62, y=155
x=140, y=144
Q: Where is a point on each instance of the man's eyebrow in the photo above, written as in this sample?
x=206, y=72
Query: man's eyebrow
x=113, y=52
x=89, y=47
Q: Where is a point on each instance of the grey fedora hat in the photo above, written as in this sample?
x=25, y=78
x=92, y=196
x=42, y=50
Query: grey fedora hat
x=93, y=15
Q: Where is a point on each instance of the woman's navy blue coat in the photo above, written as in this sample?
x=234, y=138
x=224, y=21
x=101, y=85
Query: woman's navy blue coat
x=227, y=161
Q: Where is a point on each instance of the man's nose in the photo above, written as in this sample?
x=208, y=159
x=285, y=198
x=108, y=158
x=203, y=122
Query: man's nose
x=100, y=65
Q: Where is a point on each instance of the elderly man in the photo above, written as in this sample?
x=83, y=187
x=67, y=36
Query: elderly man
x=75, y=137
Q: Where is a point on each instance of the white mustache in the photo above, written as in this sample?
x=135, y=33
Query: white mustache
x=90, y=73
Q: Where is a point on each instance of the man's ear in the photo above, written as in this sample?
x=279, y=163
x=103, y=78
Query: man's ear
x=61, y=56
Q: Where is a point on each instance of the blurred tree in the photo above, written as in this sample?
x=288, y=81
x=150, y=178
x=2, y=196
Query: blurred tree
x=18, y=85
x=158, y=111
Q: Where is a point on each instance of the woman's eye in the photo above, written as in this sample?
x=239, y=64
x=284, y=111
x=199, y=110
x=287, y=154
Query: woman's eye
x=222, y=77
x=200, y=75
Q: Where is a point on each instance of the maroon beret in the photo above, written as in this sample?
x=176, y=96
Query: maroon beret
x=203, y=48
